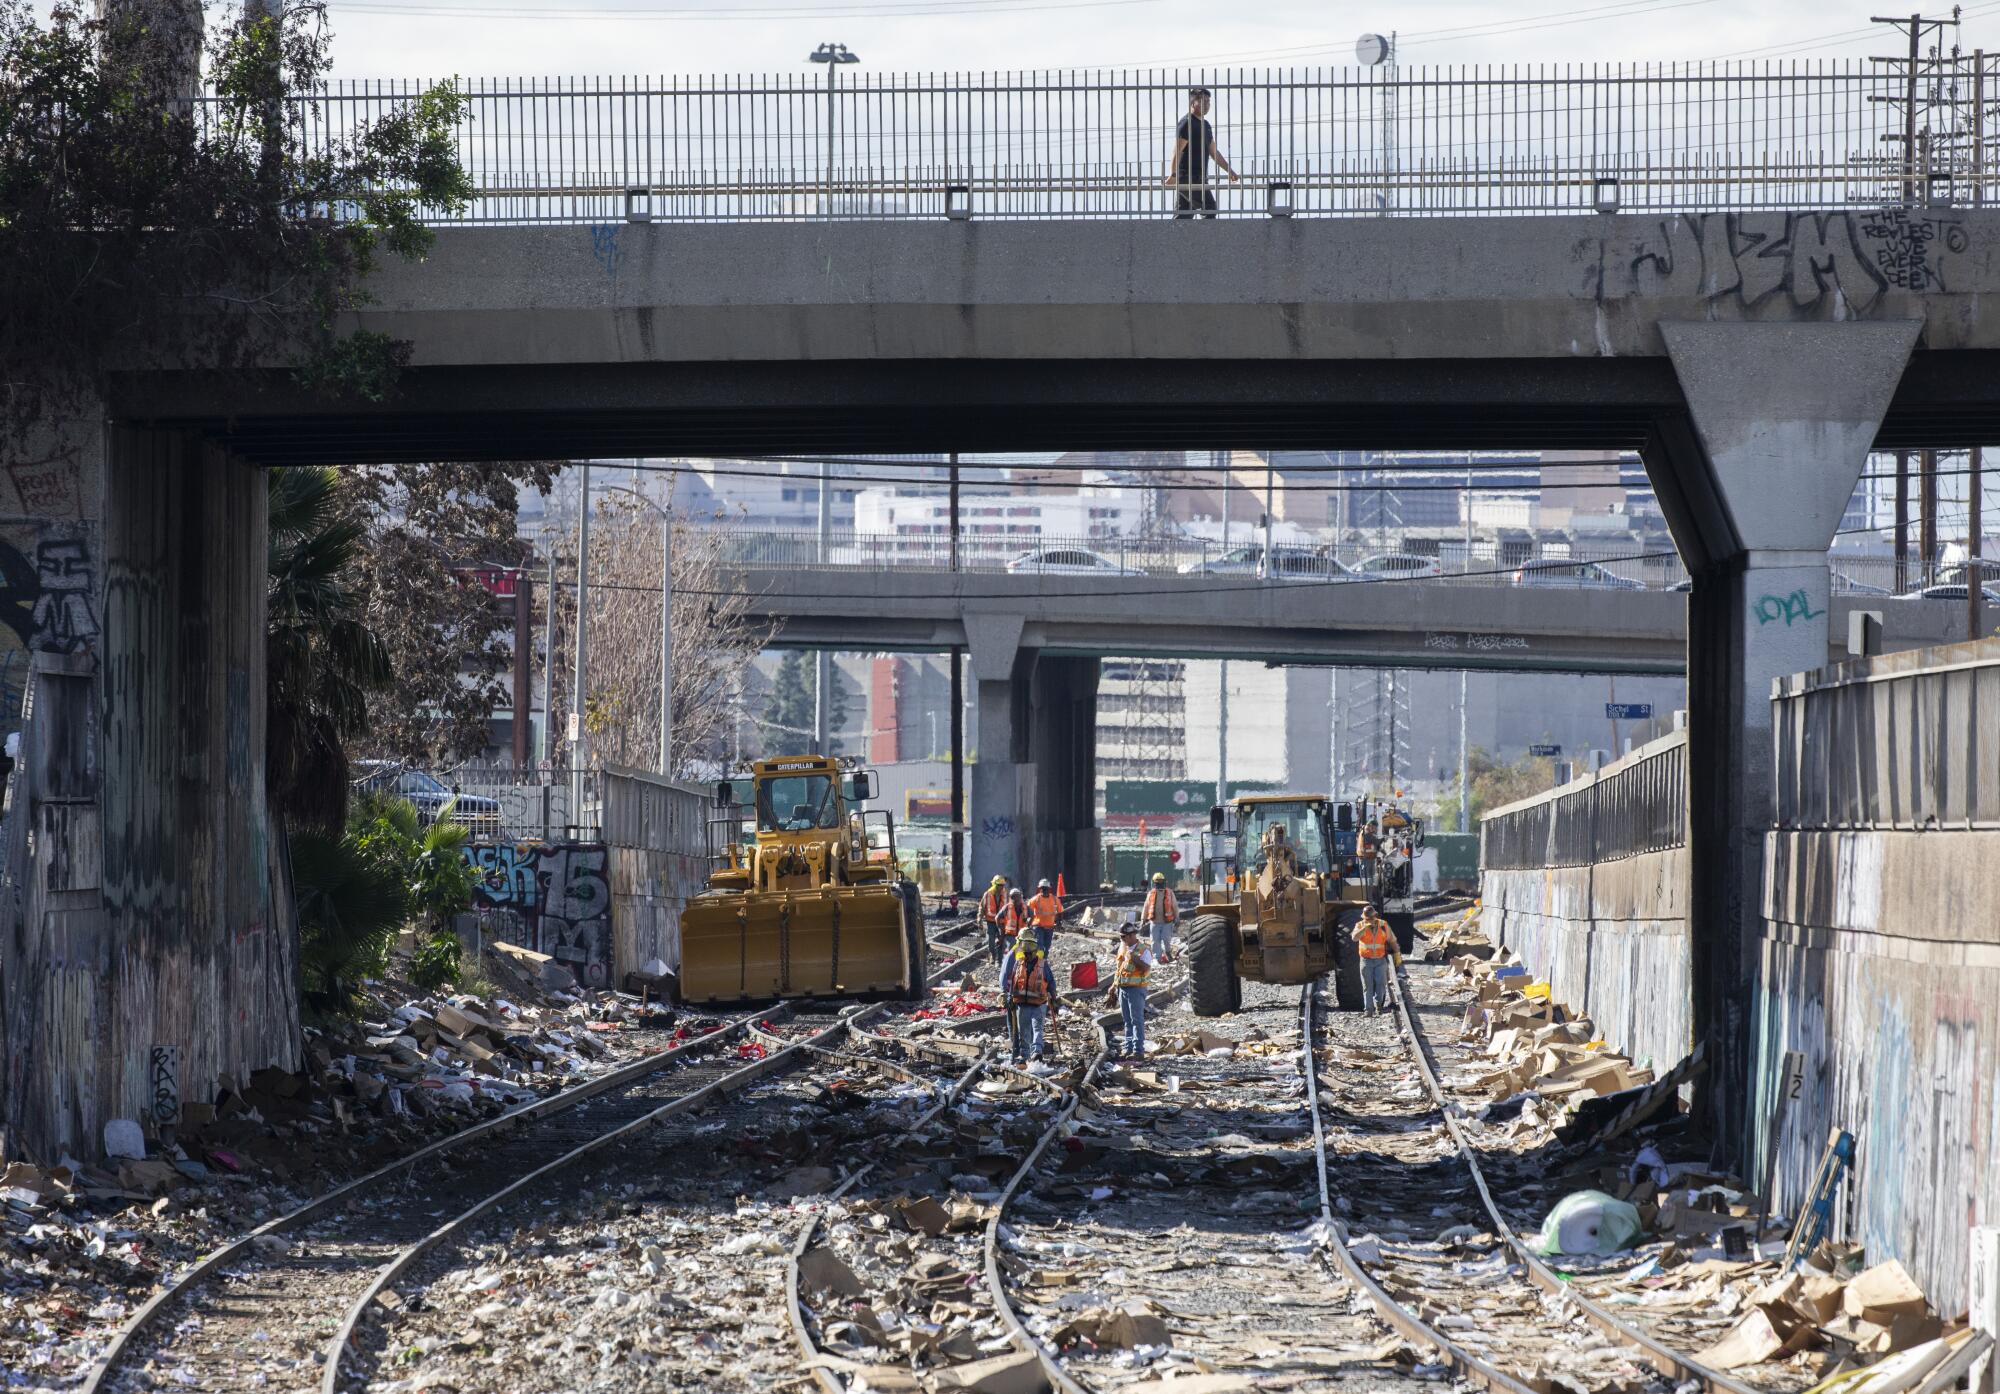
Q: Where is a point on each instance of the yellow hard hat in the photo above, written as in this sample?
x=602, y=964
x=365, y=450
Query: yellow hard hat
x=999, y=880
x=1161, y=877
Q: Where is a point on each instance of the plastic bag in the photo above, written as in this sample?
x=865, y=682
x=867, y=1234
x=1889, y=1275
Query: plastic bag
x=1589, y=1222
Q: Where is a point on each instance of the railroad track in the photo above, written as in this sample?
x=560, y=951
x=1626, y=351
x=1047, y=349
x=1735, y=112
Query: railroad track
x=280, y=1307
x=1642, y=1347
x=1243, y=1263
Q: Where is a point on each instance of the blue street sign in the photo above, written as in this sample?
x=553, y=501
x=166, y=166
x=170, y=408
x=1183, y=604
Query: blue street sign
x=1545, y=750
x=1629, y=711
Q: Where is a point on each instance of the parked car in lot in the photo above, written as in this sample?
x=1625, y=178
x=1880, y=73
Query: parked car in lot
x=1956, y=573
x=1574, y=575
x=1987, y=594
x=1842, y=584
x=1069, y=561
x=478, y=814
x=1395, y=566
x=1287, y=564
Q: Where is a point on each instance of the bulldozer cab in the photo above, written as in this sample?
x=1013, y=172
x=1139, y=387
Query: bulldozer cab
x=805, y=898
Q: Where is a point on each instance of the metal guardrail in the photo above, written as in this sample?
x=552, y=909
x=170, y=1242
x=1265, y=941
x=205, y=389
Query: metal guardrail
x=1558, y=564
x=1326, y=142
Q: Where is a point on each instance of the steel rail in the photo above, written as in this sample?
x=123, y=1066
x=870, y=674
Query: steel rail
x=554, y=1105
x=788, y=1055
x=996, y=1285
x=1657, y=1353
x=1399, y=1317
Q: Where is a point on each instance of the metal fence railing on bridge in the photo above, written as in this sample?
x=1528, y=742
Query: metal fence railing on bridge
x=1343, y=142
x=1638, y=804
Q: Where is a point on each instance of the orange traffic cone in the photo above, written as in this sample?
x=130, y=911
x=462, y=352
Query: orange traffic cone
x=1060, y=892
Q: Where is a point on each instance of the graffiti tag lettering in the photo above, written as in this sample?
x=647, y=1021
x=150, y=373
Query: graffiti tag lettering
x=560, y=892
x=1000, y=826
x=1789, y=608
x=1843, y=261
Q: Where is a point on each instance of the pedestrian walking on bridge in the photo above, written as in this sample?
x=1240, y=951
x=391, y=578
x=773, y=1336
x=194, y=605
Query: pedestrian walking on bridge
x=1161, y=912
x=1031, y=993
x=1376, y=944
x=1128, y=984
x=1187, y=167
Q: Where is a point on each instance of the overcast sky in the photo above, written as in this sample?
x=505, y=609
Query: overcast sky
x=434, y=38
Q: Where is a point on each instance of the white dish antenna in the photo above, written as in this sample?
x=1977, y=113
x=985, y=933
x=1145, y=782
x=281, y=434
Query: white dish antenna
x=1372, y=50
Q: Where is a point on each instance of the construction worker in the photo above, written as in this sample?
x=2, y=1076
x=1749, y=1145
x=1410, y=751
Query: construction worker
x=1031, y=996
x=1161, y=912
x=991, y=906
x=1128, y=984
x=1376, y=943
x=1045, y=907
x=1014, y=918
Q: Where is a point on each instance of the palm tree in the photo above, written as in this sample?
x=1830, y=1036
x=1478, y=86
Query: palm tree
x=321, y=659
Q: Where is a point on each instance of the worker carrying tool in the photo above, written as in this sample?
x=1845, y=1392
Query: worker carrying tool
x=992, y=906
x=1031, y=996
x=1046, y=907
x=1161, y=912
x=1014, y=921
x=1128, y=986
x=1376, y=944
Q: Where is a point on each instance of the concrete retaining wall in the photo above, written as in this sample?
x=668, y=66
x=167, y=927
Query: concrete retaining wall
x=1880, y=957
x=657, y=834
x=1589, y=884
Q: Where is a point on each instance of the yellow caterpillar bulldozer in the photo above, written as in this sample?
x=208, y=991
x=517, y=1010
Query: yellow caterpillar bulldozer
x=808, y=902
x=1280, y=890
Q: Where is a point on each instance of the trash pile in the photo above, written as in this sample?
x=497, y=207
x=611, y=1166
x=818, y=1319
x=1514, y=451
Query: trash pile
x=1458, y=936
x=1536, y=1043
x=1839, y=1317
x=82, y=1245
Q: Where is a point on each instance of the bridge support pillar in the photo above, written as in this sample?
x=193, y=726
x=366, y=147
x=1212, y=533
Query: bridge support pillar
x=1034, y=782
x=1781, y=418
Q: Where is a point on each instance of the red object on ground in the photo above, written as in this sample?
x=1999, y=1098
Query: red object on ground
x=1083, y=974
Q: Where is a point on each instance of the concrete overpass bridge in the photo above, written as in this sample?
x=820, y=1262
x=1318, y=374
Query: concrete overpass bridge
x=1753, y=357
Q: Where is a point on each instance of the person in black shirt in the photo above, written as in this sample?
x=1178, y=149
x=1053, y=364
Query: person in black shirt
x=1187, y=169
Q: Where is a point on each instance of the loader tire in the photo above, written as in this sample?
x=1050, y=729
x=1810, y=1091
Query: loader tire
x=1346, y=970
x=913, y=930
x=1211, y=967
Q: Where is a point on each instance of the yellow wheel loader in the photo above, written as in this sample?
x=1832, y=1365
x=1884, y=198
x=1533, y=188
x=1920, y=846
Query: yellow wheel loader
x=1278, y=899
x=805, y=898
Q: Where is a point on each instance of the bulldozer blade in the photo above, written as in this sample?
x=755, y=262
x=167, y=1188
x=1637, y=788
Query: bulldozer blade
x=837, y=942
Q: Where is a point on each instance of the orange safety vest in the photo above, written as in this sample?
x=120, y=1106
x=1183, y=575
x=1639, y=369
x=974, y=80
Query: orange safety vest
x=1046, y=907
x=1133, y=969
x=1162, y=901
x=994, y=901
x=1013, y=919
x=1031, y=984
x=1373, y=938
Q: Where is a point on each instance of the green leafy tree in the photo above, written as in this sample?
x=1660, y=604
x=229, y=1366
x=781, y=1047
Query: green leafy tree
x=441, y=885
x=427, y=530
x=351, y=900
x=1494, y=785
x=788, y=715
x=321, y=659
x=151, y=214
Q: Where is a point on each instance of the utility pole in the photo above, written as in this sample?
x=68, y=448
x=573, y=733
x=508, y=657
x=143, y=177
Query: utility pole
x=1927, y=516
x=1916, y=28
x=1902, y=542
x=666, y=644
x=1975, y=574
x=547, y=750
x=1222, y=733
x=524, y=628
x=822, y=658
x=576, y=733
x=957, y=761
x=1264, y=561
x=954, y=526
x=1464, y=757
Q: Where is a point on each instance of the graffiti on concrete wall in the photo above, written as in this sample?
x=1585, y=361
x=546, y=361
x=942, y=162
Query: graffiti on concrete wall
x=556, y=895
x=1843, y=261
x=48, y=598
x=1789, y=608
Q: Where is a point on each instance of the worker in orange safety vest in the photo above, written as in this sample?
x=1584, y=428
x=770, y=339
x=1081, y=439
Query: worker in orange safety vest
x=992, y=906
x=1046, y=907
x=1031, y=996
x=1376, y=943
x=1129, y=979
x=1161, y=912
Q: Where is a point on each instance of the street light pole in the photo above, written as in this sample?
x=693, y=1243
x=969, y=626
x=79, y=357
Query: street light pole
x=833, y=55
